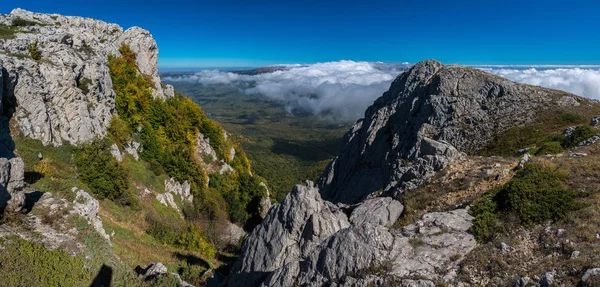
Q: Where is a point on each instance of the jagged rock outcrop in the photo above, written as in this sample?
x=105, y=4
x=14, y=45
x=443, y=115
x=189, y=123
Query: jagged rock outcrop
x=158, y=269
x=67, y=94
x=12, y=172
x=430, y=114
x=87, y=207
x=350, y=253
x=289, y=232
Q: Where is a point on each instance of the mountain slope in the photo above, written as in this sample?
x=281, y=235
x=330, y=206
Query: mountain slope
x=395, y=207
x=101, y=161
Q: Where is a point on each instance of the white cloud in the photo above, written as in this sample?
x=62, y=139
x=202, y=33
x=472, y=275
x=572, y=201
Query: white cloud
x=340, y=90
x=583, y=81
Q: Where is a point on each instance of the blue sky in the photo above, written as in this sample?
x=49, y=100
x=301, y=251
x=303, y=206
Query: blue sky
x=224, y=33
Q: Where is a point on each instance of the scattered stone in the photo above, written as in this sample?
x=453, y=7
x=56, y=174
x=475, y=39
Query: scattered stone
x=12, y=181
x=505, y=247
x=132, y=148
x=523, y=282
x=523, y=161
x=590, y=275
x=595, y=121
x=575, y=254
x=589, y=141
x=116, y=153
x=577, y=154
x=547, y=279
x=523, y=151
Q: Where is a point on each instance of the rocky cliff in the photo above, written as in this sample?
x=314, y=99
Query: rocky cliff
x=416, y=128
x=56, y=82
x=343, y=231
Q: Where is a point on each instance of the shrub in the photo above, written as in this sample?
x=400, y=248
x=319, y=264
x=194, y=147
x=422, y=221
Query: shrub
x=535, y=195
x=20, y=22
x=552, y=147
x=581, y=134
x=162, y=232
x=34, y=51
x=193, y=240
x=102, y=173
x=118, y=130
x=84, y=85
x=45, y=167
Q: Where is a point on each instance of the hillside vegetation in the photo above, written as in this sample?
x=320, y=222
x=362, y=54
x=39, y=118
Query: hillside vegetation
x=285, y=149
x=143, y=230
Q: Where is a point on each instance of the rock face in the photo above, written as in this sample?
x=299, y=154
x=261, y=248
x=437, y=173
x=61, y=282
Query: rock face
x=87, y=207
x=311, y=242
x=430, y=114
x=341, y=231
x=67, y=95
x=12, y=196
x=289, y=232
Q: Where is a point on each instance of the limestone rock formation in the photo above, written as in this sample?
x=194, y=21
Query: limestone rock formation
x=342, y=233
x=289, y=232
x=67, y=94
x=12, y=196
x=430, y=115
x=87, y=207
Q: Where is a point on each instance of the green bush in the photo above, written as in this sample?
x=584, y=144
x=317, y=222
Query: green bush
x=7, y=32
x=34, y=51
x=84, y=85
x=20, y=22
x=242, y=192
x=118, y=130
x=535, y=195
x=26, y=264
x=552, y=147
x=102, y=173
x=581, y=134
x=162, y=232
x=193, y=239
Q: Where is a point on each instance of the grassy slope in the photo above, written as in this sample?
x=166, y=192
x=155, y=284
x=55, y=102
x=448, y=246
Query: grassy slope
x=284, y=149
x=130, y=242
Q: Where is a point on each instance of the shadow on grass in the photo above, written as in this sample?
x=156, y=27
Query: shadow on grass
x=192, y=260
x=104, y=277
x=313, y=150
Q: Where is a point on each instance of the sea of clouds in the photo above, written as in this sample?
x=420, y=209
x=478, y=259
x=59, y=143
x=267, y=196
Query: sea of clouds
x=341, y=91
x=580, y=80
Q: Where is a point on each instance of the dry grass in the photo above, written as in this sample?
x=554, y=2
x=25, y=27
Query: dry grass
x=456, y=186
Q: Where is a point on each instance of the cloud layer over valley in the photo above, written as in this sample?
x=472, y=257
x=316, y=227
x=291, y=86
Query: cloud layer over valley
x=583, y=80
x=339, y=91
